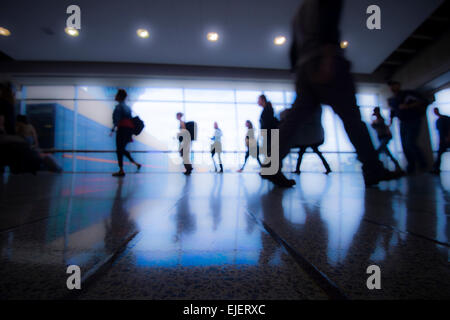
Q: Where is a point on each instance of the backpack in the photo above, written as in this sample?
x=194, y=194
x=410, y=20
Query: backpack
x=191, y=126
x=138, y=125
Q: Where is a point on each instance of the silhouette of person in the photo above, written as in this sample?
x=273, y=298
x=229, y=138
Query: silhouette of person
x=251, y=143
x=323, y=77
x=443, y=127
x=185, y=147
x=384, y=136
x=216, y=147
x=309, y=134
x=409, y=107
x=267, y=121
x=122, y=121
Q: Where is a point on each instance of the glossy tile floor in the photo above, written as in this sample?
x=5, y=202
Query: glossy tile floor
x=230, y=236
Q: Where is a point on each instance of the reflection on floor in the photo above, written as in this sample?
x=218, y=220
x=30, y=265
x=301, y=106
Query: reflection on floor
x=230, y=236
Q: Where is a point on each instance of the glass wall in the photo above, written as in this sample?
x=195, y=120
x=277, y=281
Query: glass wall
x=79, y=118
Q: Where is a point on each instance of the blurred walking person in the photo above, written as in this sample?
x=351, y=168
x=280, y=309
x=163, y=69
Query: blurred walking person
x=267, y=122
x=443, y=127
x=122, y=121
x=185, y=143
x=384, y=136
x=410, y=108
x=216, y=147
x=323, y=77
x=251, y=143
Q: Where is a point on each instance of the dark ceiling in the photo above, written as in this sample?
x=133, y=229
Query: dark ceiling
x=178, y=28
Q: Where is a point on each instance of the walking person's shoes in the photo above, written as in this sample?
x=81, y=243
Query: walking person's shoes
x=384, y=175
x=328, y=171
x=118, y=174
x=280, y=180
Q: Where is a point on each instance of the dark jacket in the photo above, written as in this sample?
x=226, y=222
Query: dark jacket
x=383, y=131
x=443, y=127
x=121, y=112
x=267, y=119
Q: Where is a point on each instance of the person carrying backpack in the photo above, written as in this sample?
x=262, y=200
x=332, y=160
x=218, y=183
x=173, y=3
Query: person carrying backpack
x=185, y=146
x=384, y=136
x=267, y=121
x=122, y=120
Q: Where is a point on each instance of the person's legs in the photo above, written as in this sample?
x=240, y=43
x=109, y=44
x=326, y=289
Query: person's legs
x=404, y=136
x=302, y=109
x=219, y=155
x=127, y=139
x=247, y=154
x=416, y=149
x=120, y=149
x=185, y=150
x=127, y=154
x=187, y=164
x=437, y=163
x=267, y=146
x=213, y=152
x=383, y=148
x=301, y=152
x=257, y=155
x=324, y=161
x=409, y=132
x=340, y=95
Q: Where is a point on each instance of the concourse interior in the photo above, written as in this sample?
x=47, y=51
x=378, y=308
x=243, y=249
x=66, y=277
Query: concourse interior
x=138, y=138
x=229, y=236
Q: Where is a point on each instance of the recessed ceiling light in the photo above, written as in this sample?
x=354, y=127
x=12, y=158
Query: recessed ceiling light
x=4, y=32
x=143, y=33
x=280, y=40
x=344, y=44
x=72, y=32
x=212, y=36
